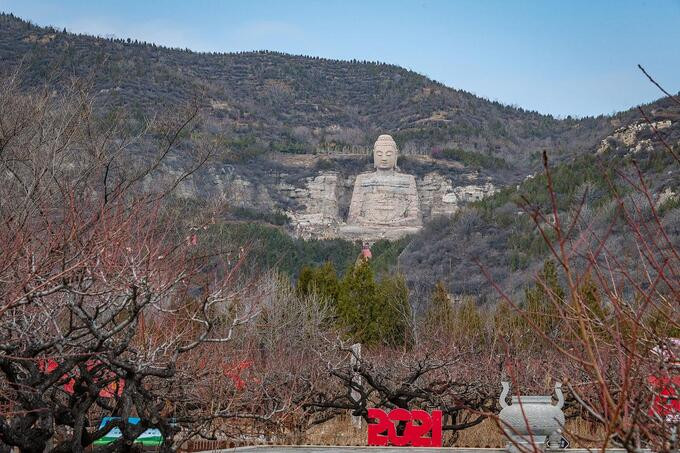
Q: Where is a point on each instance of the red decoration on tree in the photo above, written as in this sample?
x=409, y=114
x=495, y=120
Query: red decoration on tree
x=666, y=402
x=417, y=424
x=234, y=372
x=111, y=390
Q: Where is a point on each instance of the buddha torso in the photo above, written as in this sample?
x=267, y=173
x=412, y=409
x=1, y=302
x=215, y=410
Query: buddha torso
x=385, y=198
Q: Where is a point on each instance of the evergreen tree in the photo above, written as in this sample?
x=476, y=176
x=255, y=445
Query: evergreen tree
x=327, y=284
x=394, y=311
x=542, y=299
x=470, y=325
x=357, y=302
x=440, y=314
x=322, y=280
x=305, y=280
x=591, y=298
x=508, y=325
x=370, y=312
x=373, y=313
x=596, y=311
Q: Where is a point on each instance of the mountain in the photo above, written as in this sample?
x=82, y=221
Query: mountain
x=264, y=101
x=283, y=120
x=296, y=103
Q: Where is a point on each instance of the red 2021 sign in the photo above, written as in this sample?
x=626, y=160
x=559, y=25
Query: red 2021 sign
x=420, y=430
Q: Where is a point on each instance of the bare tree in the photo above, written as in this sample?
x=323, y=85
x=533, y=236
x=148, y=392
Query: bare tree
x=620, y=312
x=103, y=303
x=430, y=376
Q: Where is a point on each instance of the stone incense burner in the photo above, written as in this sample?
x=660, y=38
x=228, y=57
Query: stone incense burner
x=532, y=419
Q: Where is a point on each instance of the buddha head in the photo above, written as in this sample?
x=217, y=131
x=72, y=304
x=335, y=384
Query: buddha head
x=385, y=153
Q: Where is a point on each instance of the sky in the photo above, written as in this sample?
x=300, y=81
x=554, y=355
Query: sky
x=573, y=57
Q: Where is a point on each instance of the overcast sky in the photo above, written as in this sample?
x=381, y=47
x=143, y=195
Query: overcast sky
x=564, y=58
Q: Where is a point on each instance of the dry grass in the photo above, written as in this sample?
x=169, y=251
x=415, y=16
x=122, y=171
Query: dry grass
x=485, y=435
x=488, y=435
x=338, y=431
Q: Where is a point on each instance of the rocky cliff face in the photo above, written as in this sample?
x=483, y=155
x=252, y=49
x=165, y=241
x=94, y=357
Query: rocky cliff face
x=318, y=214
x=321, y=198
x=317, y=200
x=442, y=195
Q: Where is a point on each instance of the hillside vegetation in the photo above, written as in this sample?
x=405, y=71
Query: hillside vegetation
x=257, y=105
x=261, y=101
x=498, y=237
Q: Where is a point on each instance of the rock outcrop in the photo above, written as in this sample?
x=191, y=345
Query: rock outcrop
x=439, y=196
x=319, y=215
x=322, y=200
x=635, y=137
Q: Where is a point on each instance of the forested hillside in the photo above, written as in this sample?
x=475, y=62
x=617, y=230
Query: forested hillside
x=260, y=106
x=499, y=239
x=271, y=101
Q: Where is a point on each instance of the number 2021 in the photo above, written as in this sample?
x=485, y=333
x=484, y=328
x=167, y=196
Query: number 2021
x=418, y=424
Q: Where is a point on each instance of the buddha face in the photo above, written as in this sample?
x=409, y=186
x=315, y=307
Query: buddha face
x=385, y=153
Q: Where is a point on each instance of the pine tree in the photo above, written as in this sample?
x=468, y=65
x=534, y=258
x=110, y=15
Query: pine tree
x=357, y=302
x=470, y=322
x=440, y=314
x=373, y=313
x=542, y=299
x=394, y=312
x=304, y=284
x=327, y=284
x=591, y=298
x=322, y=280
x=508, y=325
x=596, y=311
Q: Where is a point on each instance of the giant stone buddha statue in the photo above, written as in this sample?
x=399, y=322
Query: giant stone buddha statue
x=384, y=202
